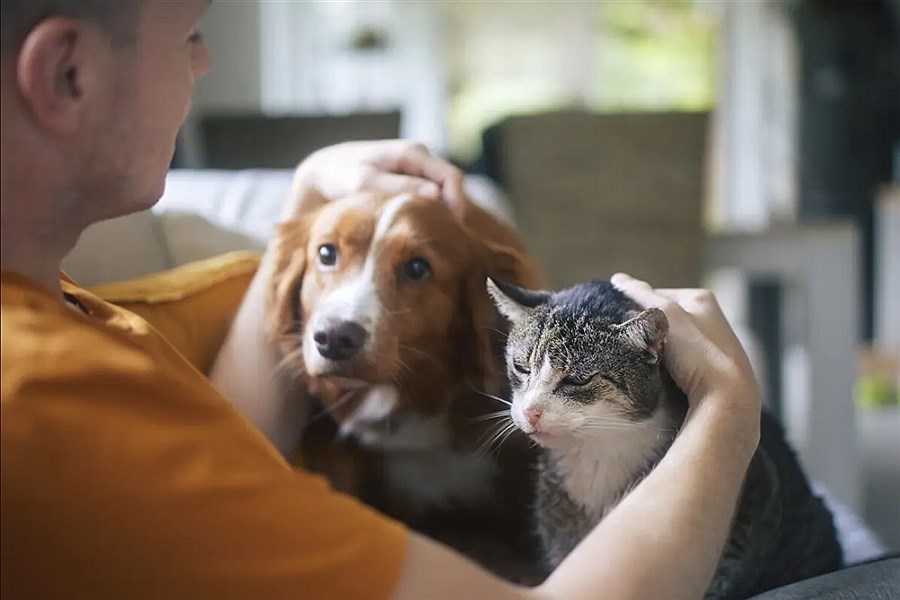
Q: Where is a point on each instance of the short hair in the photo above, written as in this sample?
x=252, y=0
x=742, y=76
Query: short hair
x=118, y=19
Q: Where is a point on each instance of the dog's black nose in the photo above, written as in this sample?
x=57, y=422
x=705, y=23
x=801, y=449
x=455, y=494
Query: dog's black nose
x=340, y=342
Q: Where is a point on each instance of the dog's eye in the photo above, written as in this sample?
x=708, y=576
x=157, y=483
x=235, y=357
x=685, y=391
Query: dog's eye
x=521, y=369
x=576, y=380
x=416, y=269
x=327, y=255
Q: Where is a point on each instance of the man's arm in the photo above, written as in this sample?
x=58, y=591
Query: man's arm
x=246, y=368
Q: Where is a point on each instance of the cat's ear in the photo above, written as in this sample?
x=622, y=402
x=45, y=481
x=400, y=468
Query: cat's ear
x=513, y=301
x=646, y=331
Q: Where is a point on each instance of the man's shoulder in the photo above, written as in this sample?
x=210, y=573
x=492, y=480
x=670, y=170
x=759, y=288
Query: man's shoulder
x=42, y=336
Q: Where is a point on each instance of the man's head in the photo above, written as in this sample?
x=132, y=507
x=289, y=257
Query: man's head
x=118, y=19
x=93, y=95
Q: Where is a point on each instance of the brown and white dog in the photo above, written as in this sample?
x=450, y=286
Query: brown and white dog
x=379, y=308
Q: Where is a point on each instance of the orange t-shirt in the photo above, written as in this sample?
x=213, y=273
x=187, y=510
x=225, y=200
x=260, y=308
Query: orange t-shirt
x=125, y=474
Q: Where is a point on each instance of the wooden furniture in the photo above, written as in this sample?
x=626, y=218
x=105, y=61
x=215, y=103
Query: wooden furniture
x=248, y=141
x=597, y=193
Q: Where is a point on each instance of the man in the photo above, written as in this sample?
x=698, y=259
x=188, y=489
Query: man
x=125, y=473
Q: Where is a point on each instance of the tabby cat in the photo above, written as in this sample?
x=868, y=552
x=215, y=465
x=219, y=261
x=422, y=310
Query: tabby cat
x=589, y=388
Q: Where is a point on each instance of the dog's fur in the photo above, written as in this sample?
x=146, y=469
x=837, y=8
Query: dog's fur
x=404, y=432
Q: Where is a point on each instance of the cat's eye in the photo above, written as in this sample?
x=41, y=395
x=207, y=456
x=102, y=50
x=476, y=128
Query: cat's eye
x=521, y=369
x=328, y=255
x=576, y=380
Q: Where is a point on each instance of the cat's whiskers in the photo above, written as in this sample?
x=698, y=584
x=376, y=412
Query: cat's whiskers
x=490, y=416
x=616, y=423
x=501, y=432
x=588, y=425
x=591, y=419
x=509, y=432
x=492, y=396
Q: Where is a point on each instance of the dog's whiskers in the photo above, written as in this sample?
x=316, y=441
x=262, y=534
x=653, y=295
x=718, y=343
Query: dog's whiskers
x=328, y=409
x=291, y=363
x=421, y=353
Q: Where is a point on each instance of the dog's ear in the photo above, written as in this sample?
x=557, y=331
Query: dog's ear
x=510, y=264
x=283, y=310
x=483, y=335
x=288, y=249
x=498, y=253
x=503, y=253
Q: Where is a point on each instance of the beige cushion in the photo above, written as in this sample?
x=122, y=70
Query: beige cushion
x=119, y=248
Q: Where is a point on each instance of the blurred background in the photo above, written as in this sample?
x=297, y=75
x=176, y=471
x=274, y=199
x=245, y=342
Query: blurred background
x=752, y=146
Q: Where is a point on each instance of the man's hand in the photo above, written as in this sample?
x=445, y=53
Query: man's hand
x=702, y=353
x=391, y=166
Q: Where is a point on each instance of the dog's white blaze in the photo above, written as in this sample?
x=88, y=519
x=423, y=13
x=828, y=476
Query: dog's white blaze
x=388, y=216
x=378, y=403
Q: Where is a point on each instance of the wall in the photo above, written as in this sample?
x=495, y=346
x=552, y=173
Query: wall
x=231, y=31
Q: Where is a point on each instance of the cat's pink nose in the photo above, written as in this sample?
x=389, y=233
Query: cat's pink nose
x=533, y=415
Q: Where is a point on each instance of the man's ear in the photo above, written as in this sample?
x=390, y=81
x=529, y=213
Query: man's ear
x=515, y=302
x=54, y=74
x=646, y=332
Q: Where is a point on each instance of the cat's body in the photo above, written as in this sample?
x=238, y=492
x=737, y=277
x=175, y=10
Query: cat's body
x=588, y=386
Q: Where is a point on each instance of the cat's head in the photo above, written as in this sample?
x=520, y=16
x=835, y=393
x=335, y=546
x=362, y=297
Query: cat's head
x=582, y=362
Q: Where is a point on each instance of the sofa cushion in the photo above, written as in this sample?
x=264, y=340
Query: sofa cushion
x=207, y=212
x=192, y=305
x=119, y=248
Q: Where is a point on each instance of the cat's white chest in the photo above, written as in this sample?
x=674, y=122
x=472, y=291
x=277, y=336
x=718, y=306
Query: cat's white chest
x=597, y=473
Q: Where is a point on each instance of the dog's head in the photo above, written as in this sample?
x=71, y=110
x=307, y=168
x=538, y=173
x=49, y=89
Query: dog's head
x=379, y=307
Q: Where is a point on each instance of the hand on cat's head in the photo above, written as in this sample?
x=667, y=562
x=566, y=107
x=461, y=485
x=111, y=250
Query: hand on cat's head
x=702, y=352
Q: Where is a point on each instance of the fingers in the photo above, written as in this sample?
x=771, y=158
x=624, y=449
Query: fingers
x=698, y=305
x=697, y=323
x=707, y=315
x=389, y=166
x=391, y=183
x=415, y=160
x=696, y=302
x=699, y=299
x=640, y=291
